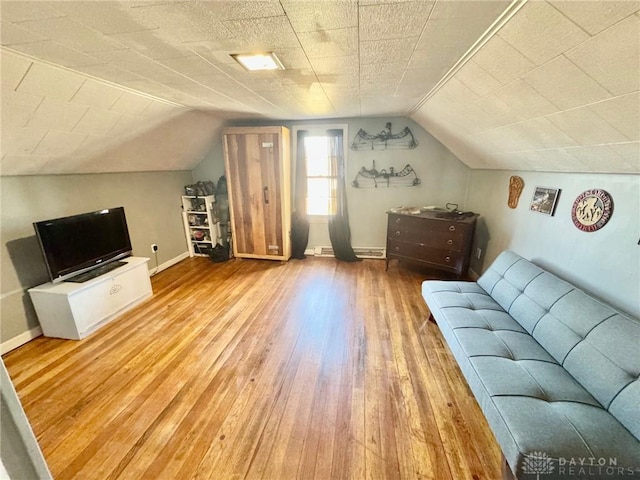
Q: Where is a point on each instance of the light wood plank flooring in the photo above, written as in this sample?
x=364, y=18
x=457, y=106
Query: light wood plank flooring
x=312, y=369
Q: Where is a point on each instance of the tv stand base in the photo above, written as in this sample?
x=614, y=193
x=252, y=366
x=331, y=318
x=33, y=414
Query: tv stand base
x=75, y=310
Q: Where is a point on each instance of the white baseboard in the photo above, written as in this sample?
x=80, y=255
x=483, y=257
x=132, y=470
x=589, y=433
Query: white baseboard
x=20, y=340
x=169, y=263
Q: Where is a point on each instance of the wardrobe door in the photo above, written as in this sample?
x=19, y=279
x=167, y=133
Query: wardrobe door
x=255, y=174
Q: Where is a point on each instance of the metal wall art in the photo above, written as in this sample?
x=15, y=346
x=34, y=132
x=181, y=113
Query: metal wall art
x=384, y=140
x=366, y=178
x=592, y=210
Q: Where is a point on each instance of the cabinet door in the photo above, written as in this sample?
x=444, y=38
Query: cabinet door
x=254, y=173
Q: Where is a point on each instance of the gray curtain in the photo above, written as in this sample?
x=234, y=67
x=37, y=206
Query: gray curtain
x=299, y=221
x=339, y=230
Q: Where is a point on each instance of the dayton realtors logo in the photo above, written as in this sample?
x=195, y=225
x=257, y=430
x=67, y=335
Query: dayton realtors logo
x=540, y=464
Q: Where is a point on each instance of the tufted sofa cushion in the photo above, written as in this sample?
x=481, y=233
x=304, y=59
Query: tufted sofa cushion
x=554, y=370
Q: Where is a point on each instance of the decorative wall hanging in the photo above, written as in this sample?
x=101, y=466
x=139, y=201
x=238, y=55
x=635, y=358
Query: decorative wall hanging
x=516, y=184
x=545, y=200
x=384, y=140
x=366, y=178
x=592, y=210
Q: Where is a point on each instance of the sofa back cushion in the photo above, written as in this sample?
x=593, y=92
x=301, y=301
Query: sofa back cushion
x=597, y=345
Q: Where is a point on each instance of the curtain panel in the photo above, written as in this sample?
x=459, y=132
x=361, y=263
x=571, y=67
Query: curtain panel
x=339, y=230
x=299, y=220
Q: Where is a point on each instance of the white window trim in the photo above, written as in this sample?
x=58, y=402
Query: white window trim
x=317, y=129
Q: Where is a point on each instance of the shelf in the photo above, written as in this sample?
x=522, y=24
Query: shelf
x=199, y=227
x=194, y=212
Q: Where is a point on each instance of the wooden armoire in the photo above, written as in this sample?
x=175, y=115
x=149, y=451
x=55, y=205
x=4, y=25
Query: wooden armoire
x=257, y=161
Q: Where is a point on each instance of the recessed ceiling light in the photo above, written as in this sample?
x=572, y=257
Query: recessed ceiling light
x=258, y=61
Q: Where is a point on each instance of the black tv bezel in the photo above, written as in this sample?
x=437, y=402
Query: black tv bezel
x=88, y=265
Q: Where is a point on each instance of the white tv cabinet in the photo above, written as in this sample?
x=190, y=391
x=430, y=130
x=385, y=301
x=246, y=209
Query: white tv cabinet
x=75, y=310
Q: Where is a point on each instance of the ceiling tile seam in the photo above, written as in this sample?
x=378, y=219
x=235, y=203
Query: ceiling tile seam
x=608, y=123
x=232, y=79
x=493, y=29
x=83, y=25
x=24, y=75
x=552, y=149
x=554, y=113
x=86, y=75
x=415, y=47
x=83, y=83
x=315, y=74
x=571, y=20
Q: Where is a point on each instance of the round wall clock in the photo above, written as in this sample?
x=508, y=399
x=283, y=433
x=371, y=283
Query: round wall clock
x=592, y=210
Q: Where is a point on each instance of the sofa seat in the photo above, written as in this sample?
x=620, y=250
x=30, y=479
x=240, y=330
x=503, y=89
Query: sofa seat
x=533, y=404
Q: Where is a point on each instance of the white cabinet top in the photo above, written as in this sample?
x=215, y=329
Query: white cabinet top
x=69, y=288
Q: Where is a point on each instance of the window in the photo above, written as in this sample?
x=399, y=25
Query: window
x=321, y=181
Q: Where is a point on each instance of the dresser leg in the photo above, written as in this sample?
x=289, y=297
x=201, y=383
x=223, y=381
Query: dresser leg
x=432, y=319
x=386, y=267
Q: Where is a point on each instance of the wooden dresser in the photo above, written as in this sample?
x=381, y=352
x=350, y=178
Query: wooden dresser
x=440, y=243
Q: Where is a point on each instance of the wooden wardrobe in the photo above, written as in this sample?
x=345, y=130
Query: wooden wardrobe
x=257, y=162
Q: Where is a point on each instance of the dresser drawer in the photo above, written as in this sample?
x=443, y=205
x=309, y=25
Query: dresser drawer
x=431, y=255
x=430, y=239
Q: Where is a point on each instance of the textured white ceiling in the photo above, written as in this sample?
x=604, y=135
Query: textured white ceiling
x=108, y=86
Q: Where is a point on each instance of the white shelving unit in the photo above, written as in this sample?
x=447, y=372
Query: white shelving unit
x=201, y=225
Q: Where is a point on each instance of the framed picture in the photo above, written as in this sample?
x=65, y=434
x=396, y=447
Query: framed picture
x=544, y=200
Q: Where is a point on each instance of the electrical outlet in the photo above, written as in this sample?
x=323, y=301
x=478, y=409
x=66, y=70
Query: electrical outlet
x=478, y=253
x=154, y=248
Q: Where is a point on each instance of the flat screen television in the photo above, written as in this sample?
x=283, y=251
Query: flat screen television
x=80, y=243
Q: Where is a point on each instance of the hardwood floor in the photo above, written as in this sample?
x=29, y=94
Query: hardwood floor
x=260, y=370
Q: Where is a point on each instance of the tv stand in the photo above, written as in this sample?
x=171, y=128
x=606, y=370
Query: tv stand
x=74, y=310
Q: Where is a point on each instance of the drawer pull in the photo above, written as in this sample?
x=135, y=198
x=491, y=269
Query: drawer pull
x=397, y=220
x=452, y=228
x=447, y=259
x=421, y=244
x=397, y=249
x=398, y=233
x=449, y=242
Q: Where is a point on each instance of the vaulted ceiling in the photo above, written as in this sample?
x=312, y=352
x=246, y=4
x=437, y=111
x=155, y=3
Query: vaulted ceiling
x=145, y=85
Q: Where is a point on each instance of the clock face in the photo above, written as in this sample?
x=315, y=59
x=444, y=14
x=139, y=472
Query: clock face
x=592, y=210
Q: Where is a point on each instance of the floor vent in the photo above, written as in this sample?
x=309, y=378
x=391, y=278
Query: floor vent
x=361, y=252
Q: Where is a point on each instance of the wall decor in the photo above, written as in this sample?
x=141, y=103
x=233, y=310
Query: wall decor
x=545, y=200
x=516, y=185
x=384, y=140
x=366, y=178
x=592, y=210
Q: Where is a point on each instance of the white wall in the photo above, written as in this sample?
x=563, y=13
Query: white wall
x=605, y=263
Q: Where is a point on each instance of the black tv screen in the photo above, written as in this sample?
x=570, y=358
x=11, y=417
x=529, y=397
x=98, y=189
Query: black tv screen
x=75, y=244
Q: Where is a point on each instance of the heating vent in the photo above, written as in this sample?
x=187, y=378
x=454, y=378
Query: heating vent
x=361, y=252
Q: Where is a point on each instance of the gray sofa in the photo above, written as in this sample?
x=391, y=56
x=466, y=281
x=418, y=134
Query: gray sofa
x=555, y=372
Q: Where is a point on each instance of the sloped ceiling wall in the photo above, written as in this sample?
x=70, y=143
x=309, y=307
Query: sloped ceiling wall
x=57, y=121
x=527, y=85
x=556, y=89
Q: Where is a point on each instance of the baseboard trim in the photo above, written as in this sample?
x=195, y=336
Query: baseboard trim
x=167, y=264
x=20, y=340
